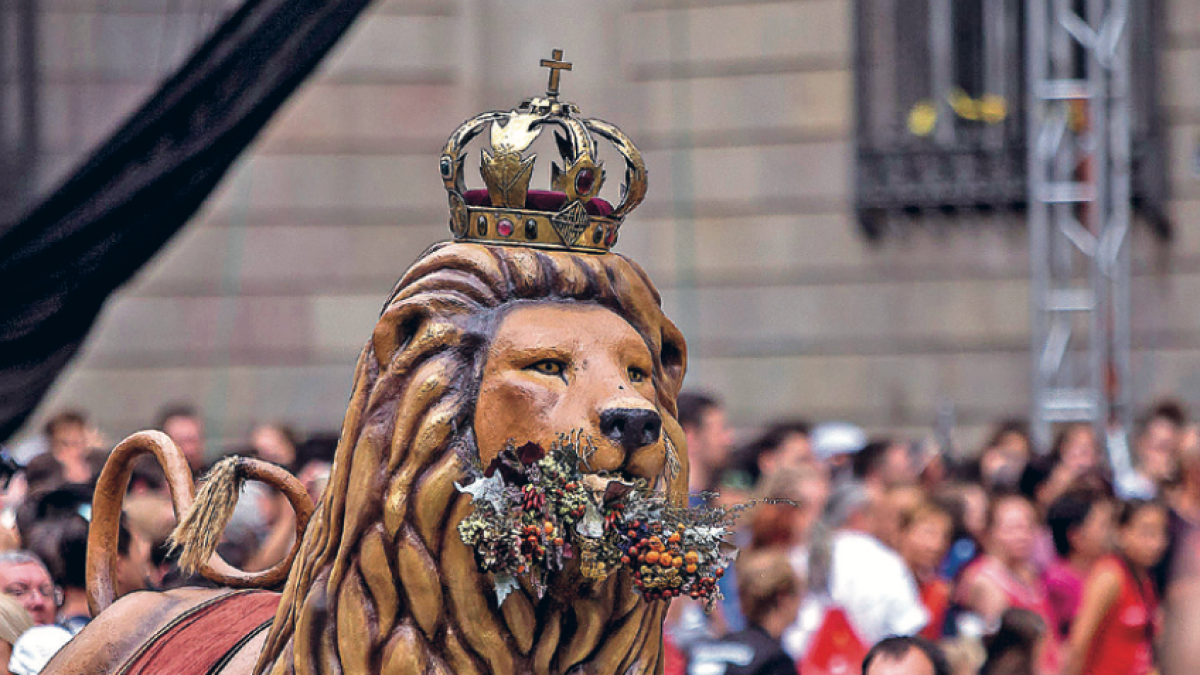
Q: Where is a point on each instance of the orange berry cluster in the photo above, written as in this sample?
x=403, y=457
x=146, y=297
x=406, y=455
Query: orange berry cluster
x=663, y=565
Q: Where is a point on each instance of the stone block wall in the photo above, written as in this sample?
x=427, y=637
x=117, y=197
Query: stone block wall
x=744, y=109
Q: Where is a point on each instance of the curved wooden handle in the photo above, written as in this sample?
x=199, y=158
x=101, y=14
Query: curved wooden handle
x=110, y=494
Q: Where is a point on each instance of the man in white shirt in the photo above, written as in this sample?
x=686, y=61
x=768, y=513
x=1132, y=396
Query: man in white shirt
x=859, y=574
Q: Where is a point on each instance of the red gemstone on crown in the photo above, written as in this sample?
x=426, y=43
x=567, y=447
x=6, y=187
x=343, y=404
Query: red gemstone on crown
x=584, y=181
x=504, y=227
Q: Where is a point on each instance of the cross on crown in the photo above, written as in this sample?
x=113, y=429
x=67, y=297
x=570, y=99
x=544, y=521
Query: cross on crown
x=556, y=66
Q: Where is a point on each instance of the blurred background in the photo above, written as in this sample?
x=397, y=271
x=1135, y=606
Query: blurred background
x=836, y=215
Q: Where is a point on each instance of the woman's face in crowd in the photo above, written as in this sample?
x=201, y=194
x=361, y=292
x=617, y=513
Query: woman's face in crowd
x=975, y=506
x=1157, y=449
x=925, y=541
x=1094, y=536
x=1144, y=538
x=1012, y=530
x=1003, y=462
x=1079, y=451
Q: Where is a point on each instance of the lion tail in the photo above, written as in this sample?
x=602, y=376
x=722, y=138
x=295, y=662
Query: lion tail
x=196, y=536
x=202, y=517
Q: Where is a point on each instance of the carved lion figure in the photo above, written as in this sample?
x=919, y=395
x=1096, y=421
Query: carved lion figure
x=477, y=347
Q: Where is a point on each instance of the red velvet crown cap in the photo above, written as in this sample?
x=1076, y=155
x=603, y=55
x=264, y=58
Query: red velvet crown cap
x=541, y=200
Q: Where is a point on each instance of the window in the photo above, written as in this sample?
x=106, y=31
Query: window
x=940, y=109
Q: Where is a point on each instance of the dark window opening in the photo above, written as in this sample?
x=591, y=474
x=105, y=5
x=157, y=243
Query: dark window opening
x=940, y=109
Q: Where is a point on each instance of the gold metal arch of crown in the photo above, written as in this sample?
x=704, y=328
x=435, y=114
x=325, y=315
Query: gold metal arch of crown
x=569, y=216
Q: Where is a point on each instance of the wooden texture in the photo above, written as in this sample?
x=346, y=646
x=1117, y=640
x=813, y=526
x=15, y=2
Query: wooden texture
x=454, y=370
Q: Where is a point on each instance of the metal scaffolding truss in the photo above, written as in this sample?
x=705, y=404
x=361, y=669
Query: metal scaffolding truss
x=1079, y=109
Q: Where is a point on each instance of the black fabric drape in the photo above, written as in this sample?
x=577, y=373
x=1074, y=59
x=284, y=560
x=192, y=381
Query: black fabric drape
x=61, y=261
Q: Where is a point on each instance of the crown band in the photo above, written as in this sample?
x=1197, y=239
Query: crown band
x=569, y=227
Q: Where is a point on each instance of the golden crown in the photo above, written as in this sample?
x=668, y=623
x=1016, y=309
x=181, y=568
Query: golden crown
x=570, y=215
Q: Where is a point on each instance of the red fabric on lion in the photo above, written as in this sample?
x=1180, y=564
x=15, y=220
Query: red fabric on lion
x=201, y=638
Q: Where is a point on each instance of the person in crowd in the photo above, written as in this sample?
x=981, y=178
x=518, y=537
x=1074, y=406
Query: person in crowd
x=24, y=577
x=897, y=501
x=1179, y=648
x=1155, y=453
x=1183, y=515
x=835, y=444
x=709, y=441
x=709, y=438
x=1016, y=646
x=789, y=504
x=1004, y=456
x=34, y=649
x=770, y=594
x=185, y=426
x=1114, y=631
x=924, y=538
x=68, y=438
x=14, y=621
x=314, y=461
x=62, y=544
x=883, y=464
x=968, y=504
x=1081, y=524
x=930, y=464
x=784, y=445
x=275, y=443
x=1004, y=576
x=13, y=488
x=965, y=655
x=862, y=577
x=1074, y=454
x=905, y=655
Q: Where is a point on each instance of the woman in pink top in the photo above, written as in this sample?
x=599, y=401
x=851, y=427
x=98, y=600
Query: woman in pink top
x=1081, y=523
x=1004, y=576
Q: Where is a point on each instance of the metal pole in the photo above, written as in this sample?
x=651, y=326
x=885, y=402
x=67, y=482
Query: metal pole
x=1078, y=126
x=1039, y=227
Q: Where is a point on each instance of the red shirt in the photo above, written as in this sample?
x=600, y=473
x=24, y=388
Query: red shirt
x=1020, y=596
x=935, y=595
x=1122, y=643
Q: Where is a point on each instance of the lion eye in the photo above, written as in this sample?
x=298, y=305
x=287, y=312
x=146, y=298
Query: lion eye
x=551, y=367
x=637, y=375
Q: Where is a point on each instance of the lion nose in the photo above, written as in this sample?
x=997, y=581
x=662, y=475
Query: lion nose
x=631, y=428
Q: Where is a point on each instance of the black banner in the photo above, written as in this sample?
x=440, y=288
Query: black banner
x=59, y=263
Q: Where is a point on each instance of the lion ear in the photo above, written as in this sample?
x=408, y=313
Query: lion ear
x=673, y=355
x=396, y=329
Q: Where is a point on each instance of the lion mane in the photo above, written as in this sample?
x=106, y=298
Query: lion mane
x=382, y=582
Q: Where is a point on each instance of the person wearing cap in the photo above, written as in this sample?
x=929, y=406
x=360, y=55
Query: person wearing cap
x=834, y=444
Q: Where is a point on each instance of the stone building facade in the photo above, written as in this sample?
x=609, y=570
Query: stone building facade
x=744, y=109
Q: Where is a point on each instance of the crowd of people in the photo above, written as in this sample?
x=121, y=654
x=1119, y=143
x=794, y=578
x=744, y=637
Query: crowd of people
x=1011, y=562
x=46, y=487
x=857, y=554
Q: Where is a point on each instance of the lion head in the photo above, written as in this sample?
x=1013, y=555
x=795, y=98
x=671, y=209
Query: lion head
x=477, y=347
